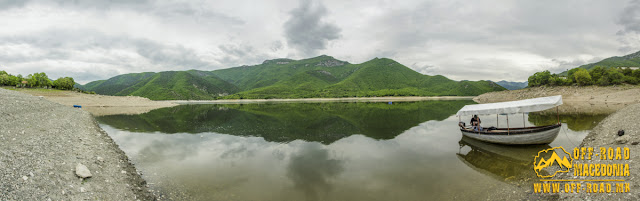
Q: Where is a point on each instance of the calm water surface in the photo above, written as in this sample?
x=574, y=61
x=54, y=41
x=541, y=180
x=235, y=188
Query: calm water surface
x=327, y=151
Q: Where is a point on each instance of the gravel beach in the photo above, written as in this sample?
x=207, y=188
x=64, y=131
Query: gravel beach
x=606, y=135
x=621, y=102
x=41, y=145
x=98, y=105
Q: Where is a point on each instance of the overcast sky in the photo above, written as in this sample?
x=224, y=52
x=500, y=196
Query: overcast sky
x=472, y=40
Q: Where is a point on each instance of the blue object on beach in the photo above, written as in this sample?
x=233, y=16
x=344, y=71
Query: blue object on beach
x=390, y=102
x=77, y=106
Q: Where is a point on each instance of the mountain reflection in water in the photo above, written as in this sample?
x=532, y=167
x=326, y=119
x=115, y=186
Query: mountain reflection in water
x=323, y=151
x=320, y=122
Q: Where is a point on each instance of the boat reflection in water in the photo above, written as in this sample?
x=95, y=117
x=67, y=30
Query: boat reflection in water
x=510, y=164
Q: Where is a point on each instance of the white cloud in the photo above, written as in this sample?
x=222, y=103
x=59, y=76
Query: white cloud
x=489, y=39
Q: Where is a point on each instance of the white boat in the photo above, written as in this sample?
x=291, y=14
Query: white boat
x=513, y=136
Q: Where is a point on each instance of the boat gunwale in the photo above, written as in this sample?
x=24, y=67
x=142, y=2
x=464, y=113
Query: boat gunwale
x=517, y=131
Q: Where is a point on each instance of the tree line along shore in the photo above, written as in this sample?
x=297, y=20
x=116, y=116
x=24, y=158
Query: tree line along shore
x=38, y=80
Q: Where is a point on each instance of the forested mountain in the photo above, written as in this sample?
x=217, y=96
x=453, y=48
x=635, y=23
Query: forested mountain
x=321, y=76
x=512, y=85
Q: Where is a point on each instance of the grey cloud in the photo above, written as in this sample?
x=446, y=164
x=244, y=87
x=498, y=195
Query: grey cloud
x=518, y=26
x=425, y=69
x=95, y=55
x=305, y=29
x=240, y=54
x=630, y=18
x=96, y=4
x=276, y=45
x=63, y=44
x=202, y=12
x=8, y=4
x=175, y=56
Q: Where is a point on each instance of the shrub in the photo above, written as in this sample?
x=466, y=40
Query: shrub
x=570, y=74
x=630, y=80
x=636, y=73
x=614, y=76
x=597, y=73
x=582, y=77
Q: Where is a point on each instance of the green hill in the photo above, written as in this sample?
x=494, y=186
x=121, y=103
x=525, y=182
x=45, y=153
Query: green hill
x=169, y=85
x=322, y=76
x=631, y=60
x=512, y=85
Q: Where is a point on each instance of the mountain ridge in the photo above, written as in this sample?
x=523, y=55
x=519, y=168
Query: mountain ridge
x=322, y=76
x=512, y=85
x=629, y=60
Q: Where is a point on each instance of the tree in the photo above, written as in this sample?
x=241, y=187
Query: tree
x=8, y=79
x=627, y=71
x=614, y=76
x=582, y=77
x=570, y=74
x=539, y=78
x=630, y=80
x=636, y=73
x=4, y=79
x=64, y=83
x=597, y=73
x=556, y=80
x=39, y=80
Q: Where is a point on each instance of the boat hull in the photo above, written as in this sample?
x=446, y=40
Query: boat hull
x=545, y=136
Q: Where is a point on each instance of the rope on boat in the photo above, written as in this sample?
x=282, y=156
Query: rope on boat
x=568, y=138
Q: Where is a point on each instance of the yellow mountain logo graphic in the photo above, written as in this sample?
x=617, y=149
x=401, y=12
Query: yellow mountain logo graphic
x=540, y=163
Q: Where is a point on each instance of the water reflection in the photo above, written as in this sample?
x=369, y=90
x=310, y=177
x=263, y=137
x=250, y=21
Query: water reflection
x=576, y=122
x=323, y=151
x=311, y=170
x=511, y=164
x=320, y=122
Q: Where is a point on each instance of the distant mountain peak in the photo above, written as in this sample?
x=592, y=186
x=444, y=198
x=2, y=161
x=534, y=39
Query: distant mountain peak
x=321, y=76
x=278, y=61
x=512, y=85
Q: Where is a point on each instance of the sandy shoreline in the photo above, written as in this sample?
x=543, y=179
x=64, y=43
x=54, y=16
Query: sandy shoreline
x=576, y=100
x=100, y=105
x=42, y=142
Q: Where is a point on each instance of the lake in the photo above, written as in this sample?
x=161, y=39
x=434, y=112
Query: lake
x=327, y=151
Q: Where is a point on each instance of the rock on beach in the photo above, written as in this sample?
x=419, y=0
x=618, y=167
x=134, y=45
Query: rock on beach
x=82, y=171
